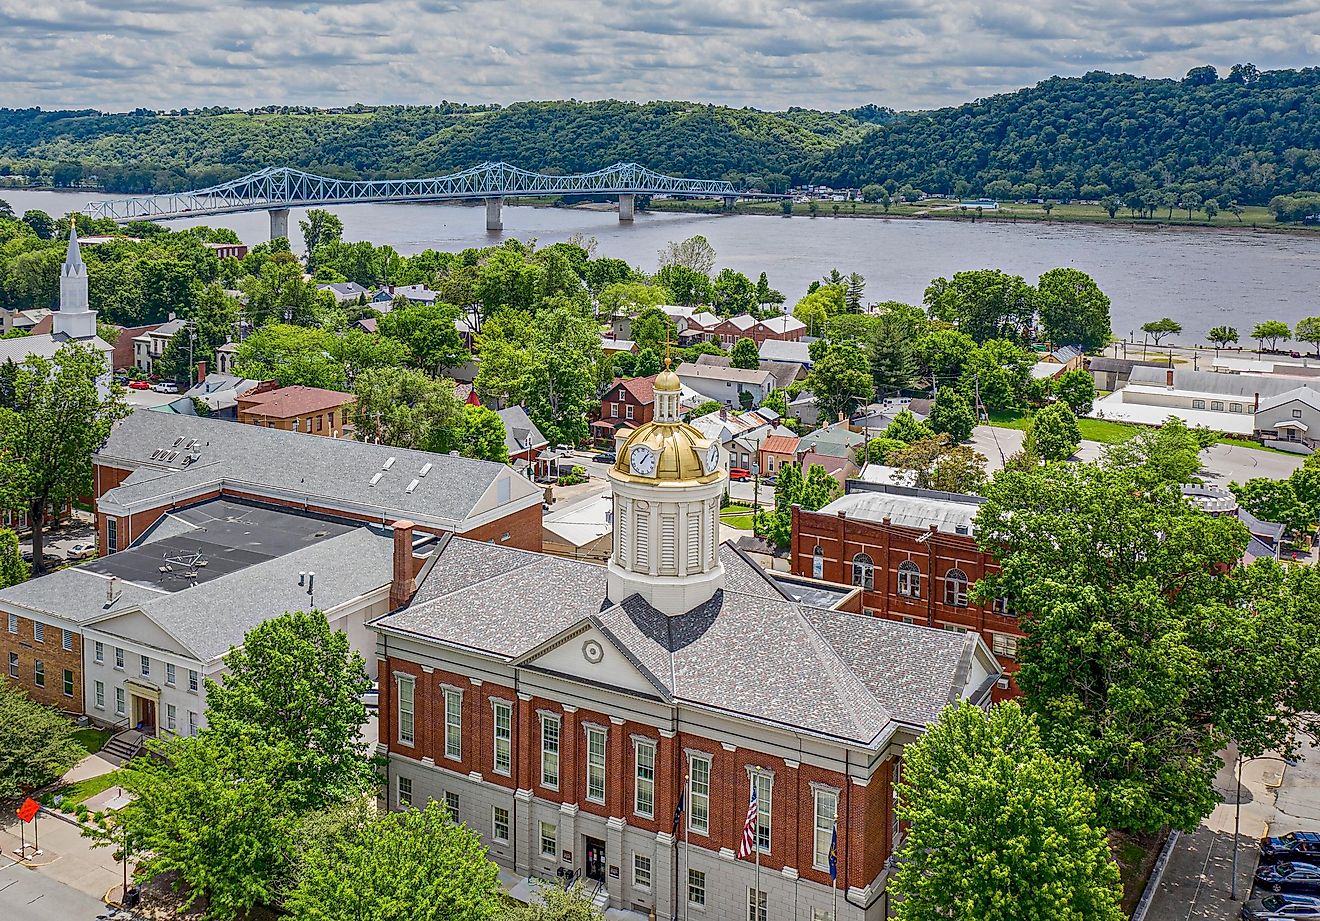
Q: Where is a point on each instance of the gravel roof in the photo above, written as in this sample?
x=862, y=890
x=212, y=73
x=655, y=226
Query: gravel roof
x=336, y=470
x=750, y=650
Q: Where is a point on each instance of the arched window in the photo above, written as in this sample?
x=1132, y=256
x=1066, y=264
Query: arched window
x=818, y=563
x=863, y=571
x=909, y=579
x=955, y=588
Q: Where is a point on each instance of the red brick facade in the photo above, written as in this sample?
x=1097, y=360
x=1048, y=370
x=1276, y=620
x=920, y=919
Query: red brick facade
x=21, y=651
x=865, y=811
x=934, y=554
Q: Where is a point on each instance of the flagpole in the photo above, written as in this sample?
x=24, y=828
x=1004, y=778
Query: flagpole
x=756, y=915
x=834, y=876
x=687, y=861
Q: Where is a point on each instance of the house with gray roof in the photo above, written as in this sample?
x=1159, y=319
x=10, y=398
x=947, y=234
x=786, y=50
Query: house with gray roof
x=1290, y=419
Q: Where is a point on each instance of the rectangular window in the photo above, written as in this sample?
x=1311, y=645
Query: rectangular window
x=1217, y=406
x=764, y=799
x=98, y=652
x=39, y=674
x=822, y=914
x=895, y=778
x=641, y=871
x=1003, y=645
x=296, y=425
x=100, y=695
x=169, y=673
x=451, y=803
x=192, y=723
x=614, y=410
x=1198, y=404
x=629, y=413
x=699, y=794
x=66, y=640
x=756, y=905
x=406, y=686
x=119, y=701
x=146, y=667
x=39, y=631
x=320, y=423
x=13, y=623
x=192, y=680
x=503, y=738
x=550, y=752
x=696, y=887
x=405, y=791
x=1001, y=606
x=549, y=842
x=827, y=808
x=112, y=534
x=499, y=824
x=13, y=665
x=119, y=658
x=68, y=682
x=1297, y=413
x=1235, y=407
x=171, y=717
x=453, y=724
x=596, y=765
x=644, y=786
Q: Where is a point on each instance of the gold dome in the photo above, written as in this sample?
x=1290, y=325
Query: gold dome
x=667, y=380
x=679, y=450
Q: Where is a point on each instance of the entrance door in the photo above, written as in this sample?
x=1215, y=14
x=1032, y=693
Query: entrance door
x=595, y=860
x=145, y=710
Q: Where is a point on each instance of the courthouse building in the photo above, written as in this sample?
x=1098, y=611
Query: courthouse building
x=610, y=722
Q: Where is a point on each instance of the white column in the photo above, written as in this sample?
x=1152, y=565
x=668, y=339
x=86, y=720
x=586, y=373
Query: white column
x=493, y=222
x=626, y=205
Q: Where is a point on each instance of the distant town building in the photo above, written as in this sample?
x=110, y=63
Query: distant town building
x=312, y=410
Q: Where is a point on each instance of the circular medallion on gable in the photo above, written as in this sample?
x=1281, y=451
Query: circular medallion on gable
x=592, y=652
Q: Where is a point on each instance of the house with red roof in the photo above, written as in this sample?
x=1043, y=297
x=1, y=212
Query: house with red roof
x=630, y=401
x=297, y=409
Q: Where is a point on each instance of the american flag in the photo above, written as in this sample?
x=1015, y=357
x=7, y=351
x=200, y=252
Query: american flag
x=749, y=828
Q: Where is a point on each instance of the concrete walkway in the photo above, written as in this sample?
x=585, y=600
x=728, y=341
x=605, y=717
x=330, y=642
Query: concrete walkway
x=1197, y=882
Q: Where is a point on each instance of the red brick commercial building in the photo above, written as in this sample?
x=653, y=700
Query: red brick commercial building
x=154, y=462
x=913, y=554
x=312, y=410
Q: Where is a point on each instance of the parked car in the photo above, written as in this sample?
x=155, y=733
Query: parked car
x=139, y=385
x=1290, y=876
x=81, y=552
x=1294, y=354
x=606, y=457
x=371, y=698
x=165, y=387
x=1303, y=844
x=1283, y=905
x=739, y=473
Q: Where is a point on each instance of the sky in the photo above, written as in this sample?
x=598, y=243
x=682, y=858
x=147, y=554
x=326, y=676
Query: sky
x=116, y=55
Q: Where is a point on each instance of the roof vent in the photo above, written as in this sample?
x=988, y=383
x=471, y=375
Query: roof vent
x=389, y=462
x=426, y=468
x=178, y=441
x=412, y=486
x=376, y=479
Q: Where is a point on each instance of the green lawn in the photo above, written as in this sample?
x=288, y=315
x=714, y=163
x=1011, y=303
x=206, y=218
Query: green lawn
x=1111, y=433
x=737, y=516
x=85, y=789
x=92, y=739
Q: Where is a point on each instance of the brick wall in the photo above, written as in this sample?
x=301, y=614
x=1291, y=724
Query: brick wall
x=523, y=528
x=54, y=657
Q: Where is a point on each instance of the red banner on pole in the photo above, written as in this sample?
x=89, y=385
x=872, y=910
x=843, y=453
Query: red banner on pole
x=28, y=811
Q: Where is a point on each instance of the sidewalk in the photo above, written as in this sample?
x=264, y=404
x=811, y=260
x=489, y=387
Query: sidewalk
x=1196, y=884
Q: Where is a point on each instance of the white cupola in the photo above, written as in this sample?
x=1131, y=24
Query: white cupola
x=75, y=319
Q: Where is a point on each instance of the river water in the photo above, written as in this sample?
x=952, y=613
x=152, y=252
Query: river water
x=1199, y=278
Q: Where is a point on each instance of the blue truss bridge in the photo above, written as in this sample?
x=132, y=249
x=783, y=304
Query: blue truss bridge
x=276, y=189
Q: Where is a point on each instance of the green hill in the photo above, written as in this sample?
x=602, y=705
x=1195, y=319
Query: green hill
x=1244, y=138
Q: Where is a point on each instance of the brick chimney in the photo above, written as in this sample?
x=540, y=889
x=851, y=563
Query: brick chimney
x=403, y=578
x=201, y=371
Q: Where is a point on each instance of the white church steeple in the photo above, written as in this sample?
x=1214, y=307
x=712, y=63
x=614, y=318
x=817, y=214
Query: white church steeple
x=75, y=318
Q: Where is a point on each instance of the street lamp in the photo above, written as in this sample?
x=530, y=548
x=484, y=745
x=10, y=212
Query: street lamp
x=1237, y=818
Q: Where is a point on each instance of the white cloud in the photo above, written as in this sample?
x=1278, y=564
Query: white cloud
x=119, y=54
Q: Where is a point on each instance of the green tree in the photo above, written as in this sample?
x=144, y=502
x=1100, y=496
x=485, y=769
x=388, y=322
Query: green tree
x=952, y=415
x=280, y=294
x=1271, y=331
x=407, y=409
x=429, y=332
x=556, y=904
x=414, y=864
x=745, y=355
x=1158, y=329
x=1137, y=661
x=767, y=296
x=985, y=304
x=889, y=352
x=1077, y=389
x=687, y=286
x=817, y=307
x=1221, y=336
x=483, y=435
x=999, y=373
x=631, y=298
x=296, y=685
x=840, y=381
x=1308, y=330
x=654, y=329
x=708, y=407
x=37, y=744
x=733, y=293
x=942, y=354
x=58, y=419
x=320, y=227
x=998, y=827
x=1073, y=309
x=871, y=192
x=934, y=463
x=1277, y=501
x=291, y=355
x=854, y=286
x=13, y=568
x=906, y=428
x=695, y=254
x=1053, y=433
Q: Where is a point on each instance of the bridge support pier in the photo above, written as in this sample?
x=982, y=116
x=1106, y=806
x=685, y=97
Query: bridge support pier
x=729, y=202
x=627, y=204
x=279, y=223
x=493, y=221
